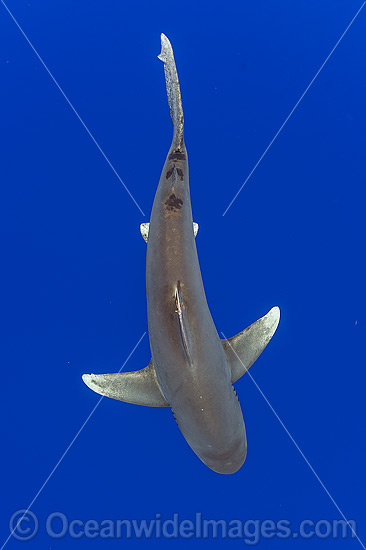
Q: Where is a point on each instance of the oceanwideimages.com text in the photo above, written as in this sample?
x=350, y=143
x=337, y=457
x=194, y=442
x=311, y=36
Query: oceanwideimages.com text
x=24, y=525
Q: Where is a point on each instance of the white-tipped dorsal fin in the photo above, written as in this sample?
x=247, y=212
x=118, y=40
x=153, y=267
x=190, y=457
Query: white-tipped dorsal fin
x=144, y=230
x=139, y=387
x=244, y=348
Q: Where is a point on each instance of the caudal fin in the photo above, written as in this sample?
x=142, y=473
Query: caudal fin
x=173, y=90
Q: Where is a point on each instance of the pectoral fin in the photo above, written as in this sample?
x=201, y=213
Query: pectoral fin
x=144, y=230
x=244, y=348
x=139, y=387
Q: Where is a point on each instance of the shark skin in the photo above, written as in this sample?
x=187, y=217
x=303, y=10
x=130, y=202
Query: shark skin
x=192, y=370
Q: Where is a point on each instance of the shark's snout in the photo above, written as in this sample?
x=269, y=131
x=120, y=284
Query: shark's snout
x=227, y=462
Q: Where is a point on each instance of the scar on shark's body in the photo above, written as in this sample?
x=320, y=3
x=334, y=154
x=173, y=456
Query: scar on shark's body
x=173, y=171
x=191, y=370
x=169, y=172
x=177, y=156
x=173, y=203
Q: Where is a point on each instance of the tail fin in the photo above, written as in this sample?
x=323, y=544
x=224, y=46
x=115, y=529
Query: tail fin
x=173, y=90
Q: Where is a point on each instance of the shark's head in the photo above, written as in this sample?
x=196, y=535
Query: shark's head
x=228, y=462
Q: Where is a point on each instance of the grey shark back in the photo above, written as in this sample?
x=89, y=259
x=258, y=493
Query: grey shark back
x=191, y=369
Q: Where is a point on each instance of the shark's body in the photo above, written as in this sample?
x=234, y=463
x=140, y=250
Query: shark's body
x=191, y=370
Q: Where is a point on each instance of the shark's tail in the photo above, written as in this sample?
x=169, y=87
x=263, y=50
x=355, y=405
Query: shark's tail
x=173, y=90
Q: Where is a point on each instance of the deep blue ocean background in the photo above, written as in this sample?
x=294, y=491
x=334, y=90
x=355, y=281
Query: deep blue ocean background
x=73, y=261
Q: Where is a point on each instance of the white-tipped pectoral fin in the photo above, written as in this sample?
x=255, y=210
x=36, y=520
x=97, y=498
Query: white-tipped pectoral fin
x=144, y=230
x=244, y=348
x=139, y=387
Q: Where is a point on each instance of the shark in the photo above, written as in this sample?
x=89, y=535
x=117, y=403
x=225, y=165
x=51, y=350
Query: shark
x=192, y=370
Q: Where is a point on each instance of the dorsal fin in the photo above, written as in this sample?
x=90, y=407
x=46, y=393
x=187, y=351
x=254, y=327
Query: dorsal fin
x=179, y=310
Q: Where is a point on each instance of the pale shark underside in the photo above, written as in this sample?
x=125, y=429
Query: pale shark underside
x=191, y=370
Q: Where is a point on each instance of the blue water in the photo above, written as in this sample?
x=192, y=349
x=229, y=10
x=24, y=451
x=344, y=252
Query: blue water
x=73, y=261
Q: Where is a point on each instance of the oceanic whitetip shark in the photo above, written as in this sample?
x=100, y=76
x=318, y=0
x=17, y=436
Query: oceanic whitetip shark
x=191, y=369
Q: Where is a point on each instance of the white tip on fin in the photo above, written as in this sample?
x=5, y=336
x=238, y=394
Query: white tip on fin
x=139, y=387
x=144, y=230
x=244, y=348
